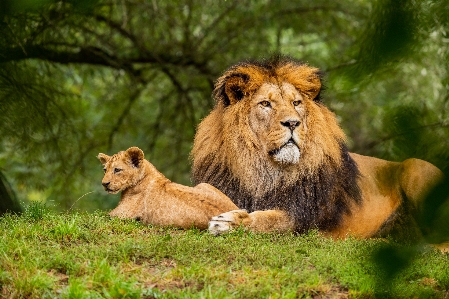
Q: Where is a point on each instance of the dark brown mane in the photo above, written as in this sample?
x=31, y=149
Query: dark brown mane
x=316, y=202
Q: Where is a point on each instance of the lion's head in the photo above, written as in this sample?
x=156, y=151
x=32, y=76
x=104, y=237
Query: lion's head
x=270, y=142
x=122, y=170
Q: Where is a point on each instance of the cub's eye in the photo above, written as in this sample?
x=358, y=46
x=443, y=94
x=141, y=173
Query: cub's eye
x=104, y=170
x=296, y=103
x=265, y=104
x=117, y=170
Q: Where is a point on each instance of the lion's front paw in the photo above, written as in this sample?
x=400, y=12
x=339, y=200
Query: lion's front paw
x=225, y=222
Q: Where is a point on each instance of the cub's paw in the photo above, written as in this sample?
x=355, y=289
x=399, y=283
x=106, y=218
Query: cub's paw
x=225, y=222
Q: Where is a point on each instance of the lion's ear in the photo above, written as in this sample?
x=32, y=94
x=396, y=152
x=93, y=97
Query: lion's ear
x=103, y=158
x=315, y=86
x=305, y=78
x=136, y=156
x=235, y=88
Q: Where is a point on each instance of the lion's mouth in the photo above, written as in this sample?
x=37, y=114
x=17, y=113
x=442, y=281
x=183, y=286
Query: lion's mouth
x=276, y=151
x=110, y=191
x=287, y=154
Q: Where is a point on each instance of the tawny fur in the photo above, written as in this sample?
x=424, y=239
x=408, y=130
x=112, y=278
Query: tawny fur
x=149, y=196
x=327, y=188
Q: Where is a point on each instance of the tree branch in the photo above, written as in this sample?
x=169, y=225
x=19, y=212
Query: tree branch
x=95, y=56
x=304, y=10
x=89, y=55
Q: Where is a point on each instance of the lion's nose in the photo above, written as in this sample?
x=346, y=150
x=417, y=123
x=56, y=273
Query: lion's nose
x=105, y=184
x=292, y=124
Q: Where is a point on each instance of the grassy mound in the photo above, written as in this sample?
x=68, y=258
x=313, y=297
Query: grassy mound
x=48, y=255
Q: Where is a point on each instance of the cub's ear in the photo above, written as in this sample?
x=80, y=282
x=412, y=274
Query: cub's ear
x=103, y=158
x=136, y=155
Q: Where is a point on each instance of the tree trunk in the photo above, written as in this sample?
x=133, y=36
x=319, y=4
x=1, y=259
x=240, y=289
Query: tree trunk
x=8, y=202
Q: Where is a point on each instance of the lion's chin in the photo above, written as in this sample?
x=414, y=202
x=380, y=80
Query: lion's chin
x=287, y=154
x=109, y=191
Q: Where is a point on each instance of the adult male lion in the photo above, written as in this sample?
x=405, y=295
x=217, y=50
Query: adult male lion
x=273, y=148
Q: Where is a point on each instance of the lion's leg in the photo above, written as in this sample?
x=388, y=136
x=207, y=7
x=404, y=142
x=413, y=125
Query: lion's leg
x=418, y=178
x=258, y=221
x=127, y=208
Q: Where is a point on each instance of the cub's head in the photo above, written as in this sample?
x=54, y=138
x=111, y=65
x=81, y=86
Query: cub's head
x=122, y=170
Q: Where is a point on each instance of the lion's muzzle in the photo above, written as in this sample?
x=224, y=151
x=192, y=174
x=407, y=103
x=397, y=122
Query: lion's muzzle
x=107, y=188
x=287, y=154
x=291, y=124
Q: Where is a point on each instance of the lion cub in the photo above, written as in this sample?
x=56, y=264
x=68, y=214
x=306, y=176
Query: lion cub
x=149, y=196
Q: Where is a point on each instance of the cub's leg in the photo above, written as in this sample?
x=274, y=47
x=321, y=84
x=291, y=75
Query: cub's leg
x=258, y=221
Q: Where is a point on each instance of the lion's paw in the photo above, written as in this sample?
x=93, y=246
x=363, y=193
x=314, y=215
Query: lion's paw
x=225, y=222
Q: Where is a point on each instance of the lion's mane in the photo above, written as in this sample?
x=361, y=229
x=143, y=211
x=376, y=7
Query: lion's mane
x=317, y=191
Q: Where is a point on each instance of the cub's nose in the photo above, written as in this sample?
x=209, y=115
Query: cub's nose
x=291, y=123
x=105, y=184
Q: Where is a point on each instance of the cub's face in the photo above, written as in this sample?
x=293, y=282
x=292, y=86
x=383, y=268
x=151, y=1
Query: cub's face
x=122, y=170
x=277, y=115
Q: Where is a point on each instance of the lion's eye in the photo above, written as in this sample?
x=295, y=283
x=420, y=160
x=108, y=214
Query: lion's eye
x=117, y=170
x=104, y=170
x=296, y=103
x=265, y=104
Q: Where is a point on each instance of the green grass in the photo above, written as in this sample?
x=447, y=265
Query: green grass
x=48, y=255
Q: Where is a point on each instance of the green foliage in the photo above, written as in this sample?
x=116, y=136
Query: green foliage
x=94, y=256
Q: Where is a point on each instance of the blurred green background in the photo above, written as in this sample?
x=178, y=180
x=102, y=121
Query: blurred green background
x=82, y=77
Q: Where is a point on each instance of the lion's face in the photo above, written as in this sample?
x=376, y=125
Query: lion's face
x=268, y=129
x=277, y=118
x=121, y=170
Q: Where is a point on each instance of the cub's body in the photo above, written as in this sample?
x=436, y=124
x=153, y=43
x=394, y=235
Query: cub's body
x=149, y=196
